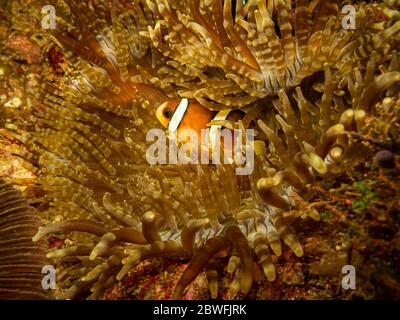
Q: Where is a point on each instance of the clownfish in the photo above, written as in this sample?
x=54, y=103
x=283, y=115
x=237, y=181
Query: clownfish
x=183, y=114
x=180, y=114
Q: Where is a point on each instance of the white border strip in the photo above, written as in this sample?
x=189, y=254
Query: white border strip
x=214, y=129
x=178, y=115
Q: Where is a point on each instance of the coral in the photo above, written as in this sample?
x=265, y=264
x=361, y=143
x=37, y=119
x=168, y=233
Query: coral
x=21, y=261
x=309, y=87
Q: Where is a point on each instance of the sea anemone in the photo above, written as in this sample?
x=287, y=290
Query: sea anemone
x=307, y=85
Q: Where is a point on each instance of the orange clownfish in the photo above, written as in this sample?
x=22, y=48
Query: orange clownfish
x=179, y=114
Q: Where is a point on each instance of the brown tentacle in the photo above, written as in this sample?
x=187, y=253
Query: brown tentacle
x=198, y=262
x=240, y=243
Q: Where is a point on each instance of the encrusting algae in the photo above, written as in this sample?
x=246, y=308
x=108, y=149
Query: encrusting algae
x=307, y=86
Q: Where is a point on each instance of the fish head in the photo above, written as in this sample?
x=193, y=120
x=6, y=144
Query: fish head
x=165, y=111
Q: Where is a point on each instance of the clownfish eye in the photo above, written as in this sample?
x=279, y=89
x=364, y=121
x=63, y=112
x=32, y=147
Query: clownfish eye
x=167, y=113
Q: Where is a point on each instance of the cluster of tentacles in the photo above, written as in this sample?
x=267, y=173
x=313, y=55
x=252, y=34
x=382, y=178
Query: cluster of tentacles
x=305, y=82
